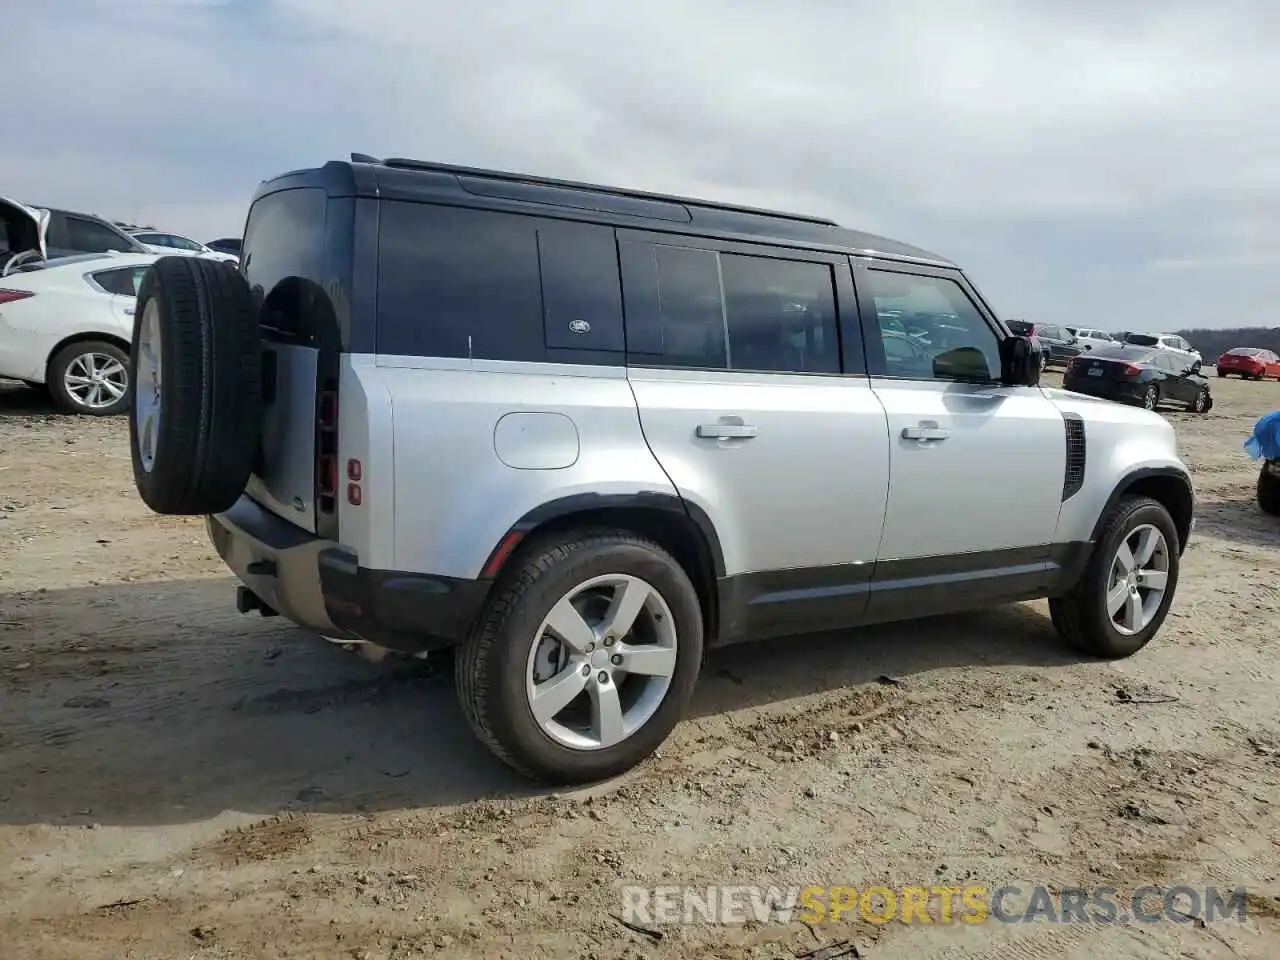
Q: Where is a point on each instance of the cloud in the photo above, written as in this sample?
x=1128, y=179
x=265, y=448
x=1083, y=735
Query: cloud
x=1071, y=154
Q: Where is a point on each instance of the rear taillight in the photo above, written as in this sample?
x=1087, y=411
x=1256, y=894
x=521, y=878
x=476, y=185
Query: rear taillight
x=327, y=448
x=13, y=296
x=1131, y=371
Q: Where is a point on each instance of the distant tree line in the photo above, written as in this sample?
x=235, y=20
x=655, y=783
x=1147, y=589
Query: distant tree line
x=1212, y=343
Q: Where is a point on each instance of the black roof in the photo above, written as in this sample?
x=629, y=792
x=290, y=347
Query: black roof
x=447, y=183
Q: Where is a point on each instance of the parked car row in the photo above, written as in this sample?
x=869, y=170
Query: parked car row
x=31, y=232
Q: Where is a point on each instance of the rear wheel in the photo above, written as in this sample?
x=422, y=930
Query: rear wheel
x=1269, y=489
x=1151, y=397
x=585, y=657
x=1128, y=585
x=91, y=377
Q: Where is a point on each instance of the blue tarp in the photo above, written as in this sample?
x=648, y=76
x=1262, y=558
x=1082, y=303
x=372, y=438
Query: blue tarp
x=1265, y=441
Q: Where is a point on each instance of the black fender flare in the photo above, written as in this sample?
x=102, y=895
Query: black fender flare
x=1133, y=477
x=586, y=503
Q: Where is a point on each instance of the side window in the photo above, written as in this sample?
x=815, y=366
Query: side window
x=944, y=336
x=123, y=281
x=180, y=243
x=457, y=282
x=90, y=237
x=781, y=315
x=725, y=311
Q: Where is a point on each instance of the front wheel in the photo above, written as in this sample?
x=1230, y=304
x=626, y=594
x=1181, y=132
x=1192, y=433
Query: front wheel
x=90, y=377
x=585, y=657
x=1200, y=403
x=1128, y=585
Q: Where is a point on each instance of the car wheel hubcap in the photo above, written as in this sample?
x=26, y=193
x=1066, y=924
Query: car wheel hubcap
x=1150, y=400
x=95, y=380
x=146, y=396
x=1138, y=579
x=602, y=662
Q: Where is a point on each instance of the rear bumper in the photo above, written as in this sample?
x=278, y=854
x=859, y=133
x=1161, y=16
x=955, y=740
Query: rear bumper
x=321, y=586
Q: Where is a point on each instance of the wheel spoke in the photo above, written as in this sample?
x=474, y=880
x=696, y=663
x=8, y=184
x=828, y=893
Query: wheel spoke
x=606, y=714
x=569, y=627
x=628, y=601
x=77, y=380
x=552, y=696
x=113, y=388
x=1148, y=540
x=1153, y=579
x=648, y=659
x=112, y=368
x=1133, y=611
x=1116, y=598
x=1124, y=557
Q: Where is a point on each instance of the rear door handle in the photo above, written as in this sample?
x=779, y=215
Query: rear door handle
x=727, y=431
x=924, y=433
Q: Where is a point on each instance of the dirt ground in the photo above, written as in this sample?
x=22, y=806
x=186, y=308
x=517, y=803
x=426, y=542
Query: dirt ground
x=177, y=780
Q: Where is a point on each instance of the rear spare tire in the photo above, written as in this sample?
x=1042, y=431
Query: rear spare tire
x=196, y=379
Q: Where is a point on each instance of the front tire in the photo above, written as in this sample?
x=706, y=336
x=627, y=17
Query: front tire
x=90, y=377
x=1201, y=402
x=1128, y=585
x=1269, y=491
x=585, y=657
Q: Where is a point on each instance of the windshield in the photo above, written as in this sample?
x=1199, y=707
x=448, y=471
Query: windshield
x=1245, y=351
x=1142, y=339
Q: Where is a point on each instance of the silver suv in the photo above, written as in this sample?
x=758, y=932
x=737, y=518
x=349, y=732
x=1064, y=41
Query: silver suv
x=586, y=434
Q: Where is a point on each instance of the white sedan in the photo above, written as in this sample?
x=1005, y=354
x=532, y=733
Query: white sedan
x=67, y=323
x=172, y=243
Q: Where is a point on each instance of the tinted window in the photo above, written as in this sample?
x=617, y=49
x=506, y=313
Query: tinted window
x=1020, y=328
x=455, y=282
x=93, y=237
x=181, y=243
x=123, y=280
x=284, y=238
x=939, y=318
x=1142, y=339
x=1244, y=352
x=781, y=315
x=699, y=308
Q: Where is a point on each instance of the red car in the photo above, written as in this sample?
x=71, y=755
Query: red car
x=1252, y=362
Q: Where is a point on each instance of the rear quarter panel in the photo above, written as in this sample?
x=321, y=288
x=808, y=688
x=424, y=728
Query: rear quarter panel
x=437, y=463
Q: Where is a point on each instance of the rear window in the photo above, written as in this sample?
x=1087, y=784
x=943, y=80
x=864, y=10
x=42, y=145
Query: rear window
x=1020, y=328
x=1244, y=351
x=284, y=239
x=1142, y=339
x=123, y=281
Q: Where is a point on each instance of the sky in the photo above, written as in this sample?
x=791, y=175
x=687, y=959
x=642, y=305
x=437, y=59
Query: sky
x=1099, y=163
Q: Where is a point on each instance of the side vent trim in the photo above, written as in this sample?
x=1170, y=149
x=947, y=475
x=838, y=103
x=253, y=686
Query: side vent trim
x=1073, y=476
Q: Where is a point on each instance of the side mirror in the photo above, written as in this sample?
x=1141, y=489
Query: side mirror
x=1019, y=362
x=1195, y=366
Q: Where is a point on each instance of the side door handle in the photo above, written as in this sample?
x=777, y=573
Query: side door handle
x=727, y=431
x=924, y=433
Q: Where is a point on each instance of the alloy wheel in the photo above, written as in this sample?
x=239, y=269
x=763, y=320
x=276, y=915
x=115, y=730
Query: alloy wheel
x=96, y=380
x=601, y=663
x=1138, y=579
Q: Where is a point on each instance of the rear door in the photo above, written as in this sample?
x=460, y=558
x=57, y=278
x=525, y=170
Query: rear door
x=977, y=467
x=283, y=248
x=761, y=417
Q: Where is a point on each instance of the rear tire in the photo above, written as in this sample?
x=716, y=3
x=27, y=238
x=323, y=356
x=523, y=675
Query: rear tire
x=1269, y=492
x=1151, y=397
x=1083, y=617
x=496, y=670
x=195, y=381
x=90, y=377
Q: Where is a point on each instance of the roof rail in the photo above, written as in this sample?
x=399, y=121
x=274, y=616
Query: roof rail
x=409, y=164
